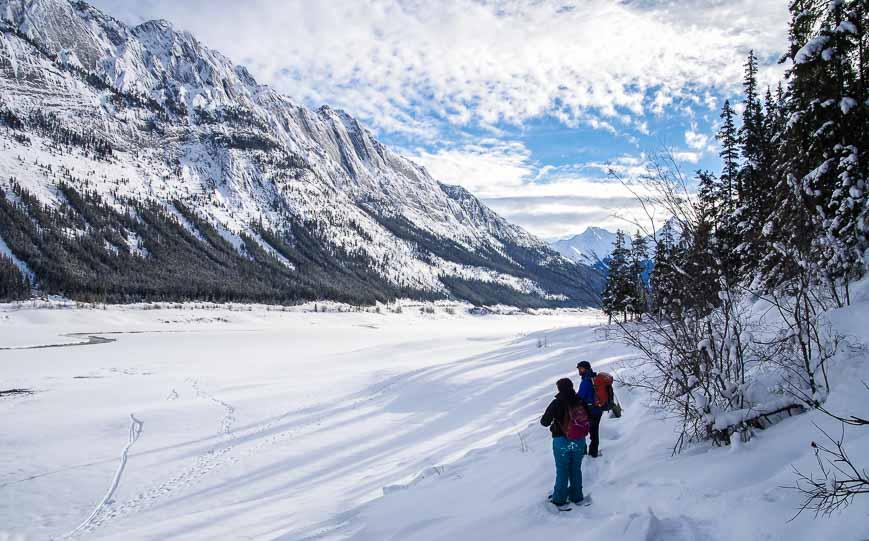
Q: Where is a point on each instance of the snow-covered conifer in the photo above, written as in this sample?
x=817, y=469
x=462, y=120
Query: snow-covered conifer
x=638, y=258
x=619, y=286
x=728, y=138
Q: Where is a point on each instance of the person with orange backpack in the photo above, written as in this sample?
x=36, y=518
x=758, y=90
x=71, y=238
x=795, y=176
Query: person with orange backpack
x=596, y=391
x=568, y=420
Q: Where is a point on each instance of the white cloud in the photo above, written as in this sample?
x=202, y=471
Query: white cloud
x=695, y=140
x=624, y=166
x=551, y=202
x=489, y=168
x=404, y=65
x=569, y=205
x=687, y=156
x=424, y=69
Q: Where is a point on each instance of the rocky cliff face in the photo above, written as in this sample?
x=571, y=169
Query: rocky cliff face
x=148, y=115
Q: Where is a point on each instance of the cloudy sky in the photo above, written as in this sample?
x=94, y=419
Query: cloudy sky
x=525, y=102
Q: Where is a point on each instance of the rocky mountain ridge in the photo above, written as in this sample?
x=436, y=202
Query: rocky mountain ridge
x=147, y=116
x=591, y=247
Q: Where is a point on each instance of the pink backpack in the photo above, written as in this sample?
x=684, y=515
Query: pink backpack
x=575, y=424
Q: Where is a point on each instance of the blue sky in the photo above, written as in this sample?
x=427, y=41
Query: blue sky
x=527, y=103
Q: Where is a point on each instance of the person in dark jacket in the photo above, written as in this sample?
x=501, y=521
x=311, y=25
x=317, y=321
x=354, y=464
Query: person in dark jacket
x=568, y=453
x=587, y=395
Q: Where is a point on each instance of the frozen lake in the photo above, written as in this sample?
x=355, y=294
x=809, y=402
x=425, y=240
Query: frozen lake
x=253, y=424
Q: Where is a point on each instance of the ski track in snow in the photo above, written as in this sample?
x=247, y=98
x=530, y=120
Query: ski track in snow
x=229, y=419
x=135, y=432
x=222, y=455
x=201, y=466
x=218, y=456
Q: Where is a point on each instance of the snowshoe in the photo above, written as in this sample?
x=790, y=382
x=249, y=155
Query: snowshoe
x=566, y=506
x=585, y=502
x=559, y=508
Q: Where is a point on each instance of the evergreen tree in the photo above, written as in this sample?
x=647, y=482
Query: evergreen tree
x=639, y=255
x=619, y=286
x=701, y=261
x=664, y=279
x=709, y=202
x=755, y=175
x=13, y=284
x=751, y=133
x=845, y=228
x=816, y=221
x=790, y=229
x=728, y=138
x=715, y=207
x=727, y=234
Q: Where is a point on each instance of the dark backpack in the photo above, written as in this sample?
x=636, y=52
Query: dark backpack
x=575, y=424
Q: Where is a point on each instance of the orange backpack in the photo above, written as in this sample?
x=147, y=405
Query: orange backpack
x=603, y=391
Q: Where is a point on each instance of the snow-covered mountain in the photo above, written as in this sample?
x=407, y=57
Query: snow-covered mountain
x=119, y=129
x=589, y=247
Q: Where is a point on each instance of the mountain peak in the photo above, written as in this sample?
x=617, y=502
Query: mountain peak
x=154, y=25
x=589, y=247
x=260, y=180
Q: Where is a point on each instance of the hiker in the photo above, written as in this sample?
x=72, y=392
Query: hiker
x=588, y=394
x=567, y=418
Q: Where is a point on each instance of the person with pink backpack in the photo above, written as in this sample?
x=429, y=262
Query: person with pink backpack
x=568, y=419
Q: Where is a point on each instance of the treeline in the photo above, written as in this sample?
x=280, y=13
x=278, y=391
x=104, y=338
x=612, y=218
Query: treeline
x=85, y=249
x=50, y=125
x=785, y=223
x=626, y=290
x=13, y=284
x=790, y=202
x=481, y=293
x=88, y=250
x=579, y=284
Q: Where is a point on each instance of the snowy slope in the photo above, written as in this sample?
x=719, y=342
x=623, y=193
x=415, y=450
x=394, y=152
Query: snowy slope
x=185, y=124
x=639, y=490
x=364, y=426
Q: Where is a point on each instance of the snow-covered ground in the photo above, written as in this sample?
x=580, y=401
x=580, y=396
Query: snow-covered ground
x=235, y=424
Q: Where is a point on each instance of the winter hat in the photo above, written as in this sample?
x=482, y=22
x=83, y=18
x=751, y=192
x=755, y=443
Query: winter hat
x=584, y=364
x=565, y=386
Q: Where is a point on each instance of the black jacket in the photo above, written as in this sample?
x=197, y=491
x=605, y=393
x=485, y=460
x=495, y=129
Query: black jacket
x=556, y=410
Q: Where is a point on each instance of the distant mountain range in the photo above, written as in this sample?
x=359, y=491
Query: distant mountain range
x=136, y=163
x=590, y=247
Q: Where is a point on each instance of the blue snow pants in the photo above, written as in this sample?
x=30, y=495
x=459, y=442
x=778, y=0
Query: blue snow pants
x=568, y=469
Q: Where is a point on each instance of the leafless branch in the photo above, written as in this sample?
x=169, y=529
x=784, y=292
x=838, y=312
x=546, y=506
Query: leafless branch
x=840, y=480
